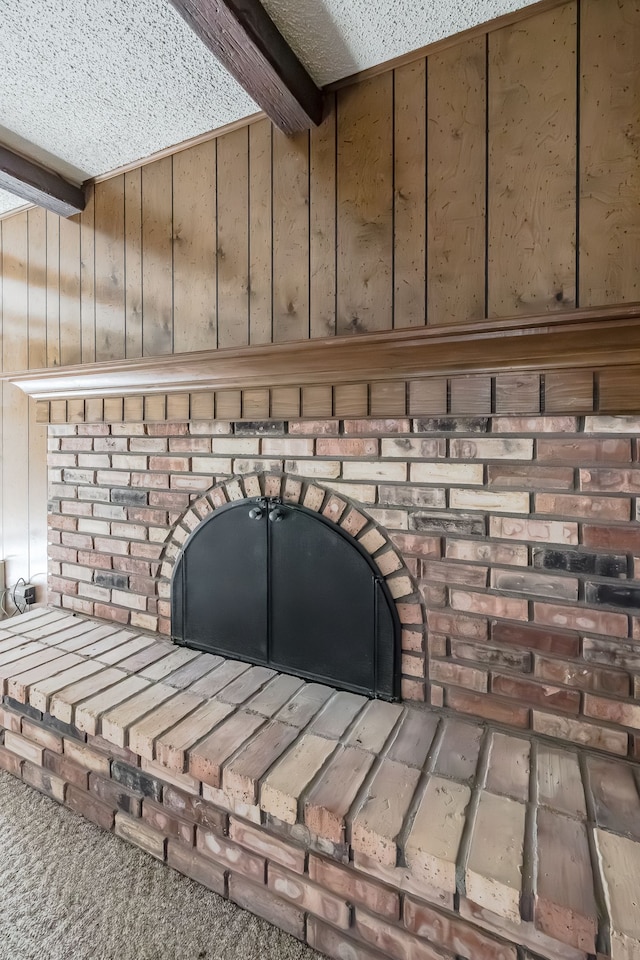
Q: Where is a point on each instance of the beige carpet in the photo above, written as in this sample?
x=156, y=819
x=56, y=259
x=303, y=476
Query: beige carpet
x=70, y=891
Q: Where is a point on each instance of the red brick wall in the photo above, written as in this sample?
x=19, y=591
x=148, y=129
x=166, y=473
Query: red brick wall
x=521, y=534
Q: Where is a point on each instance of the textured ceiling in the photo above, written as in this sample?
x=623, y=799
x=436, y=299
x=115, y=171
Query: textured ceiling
x=89, y=85
x=335, y=38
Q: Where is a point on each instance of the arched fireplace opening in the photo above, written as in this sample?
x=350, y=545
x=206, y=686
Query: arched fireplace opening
x=278, y=584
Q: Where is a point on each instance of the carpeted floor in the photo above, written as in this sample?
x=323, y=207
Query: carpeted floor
x=70, y=891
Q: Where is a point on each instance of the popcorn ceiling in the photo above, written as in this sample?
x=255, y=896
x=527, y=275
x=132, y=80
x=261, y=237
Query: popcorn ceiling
x=100, y=83
x=95, y=84
x=335, y=38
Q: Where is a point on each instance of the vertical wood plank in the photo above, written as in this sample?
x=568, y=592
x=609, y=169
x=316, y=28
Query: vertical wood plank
x=532, y=164
x=290, y=236
x=410, y=188
x=609, y=152
x=233, y=238
x=365, y=206
x=456, y=174
x=322, y=230
x=53, y=290
x=133, y=262
x=37, y=532
x=194, y=248
x=15, y=305
x=260, y=227
x=70, y=328
x=110, y=297
x=15, y=486
x=157, y=259
x=87, y=279
x=37, y=278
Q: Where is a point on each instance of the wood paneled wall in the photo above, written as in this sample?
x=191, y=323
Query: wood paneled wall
x=495, y=178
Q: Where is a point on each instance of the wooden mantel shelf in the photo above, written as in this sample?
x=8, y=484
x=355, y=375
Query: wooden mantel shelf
x=594, y=339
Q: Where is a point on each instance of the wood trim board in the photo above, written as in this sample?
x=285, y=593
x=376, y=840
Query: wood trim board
x=582, y=339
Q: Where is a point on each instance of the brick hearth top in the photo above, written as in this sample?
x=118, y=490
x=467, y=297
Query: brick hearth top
x=526, y=838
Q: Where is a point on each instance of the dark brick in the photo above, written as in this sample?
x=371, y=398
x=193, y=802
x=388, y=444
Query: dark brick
x=66, y=729
x=113, y=794
x=412, y=496
x=471, y=526
x=112, y=580
x=24, y=708
x=602, y=565
x=136, y=780
x=134, y=498
x=614, y=595
x=452, y=425
x=272, y=428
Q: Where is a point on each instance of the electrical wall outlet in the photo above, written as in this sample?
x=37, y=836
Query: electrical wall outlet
x=29, y=594
x=26, y=593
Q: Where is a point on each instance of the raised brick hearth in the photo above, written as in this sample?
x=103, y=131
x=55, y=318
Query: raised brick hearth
x=368, y=829
x=514, y=539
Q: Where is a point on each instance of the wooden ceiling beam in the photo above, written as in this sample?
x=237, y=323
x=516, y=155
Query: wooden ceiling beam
x=245, y=40
x=36, y=184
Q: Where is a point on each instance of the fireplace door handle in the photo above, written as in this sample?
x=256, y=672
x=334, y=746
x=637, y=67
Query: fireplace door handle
x=276, y=514
x=256, y=513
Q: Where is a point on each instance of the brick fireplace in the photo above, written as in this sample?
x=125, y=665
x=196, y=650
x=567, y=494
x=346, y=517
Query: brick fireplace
x=509, y=543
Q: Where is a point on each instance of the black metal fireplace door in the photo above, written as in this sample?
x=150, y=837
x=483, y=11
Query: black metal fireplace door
x=278, y=584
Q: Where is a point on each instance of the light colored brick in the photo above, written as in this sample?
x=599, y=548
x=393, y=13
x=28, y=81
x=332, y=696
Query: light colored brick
x=612, y=711
x=286, y=447
x=539, y=531
x=584, y=733
x=431, y=848
x=374, y=471
x=141, y=834
x=129, y=600
x=377, y=824
x=629, y=425
x=372, y=541
x=392, y=519
x=490, y=449
x=620, y=870
x=494, y=870
x=582, y=618
x=24, y=748
x=283, y=786
x=444, y=671
x=406, y=447
x=236, y=446
x=489, y=605
x=399, y=587
x=360, y=492
x=94, y=526
x=212, y=466
x=320, y=469
x=489, y=500
x=447, y=473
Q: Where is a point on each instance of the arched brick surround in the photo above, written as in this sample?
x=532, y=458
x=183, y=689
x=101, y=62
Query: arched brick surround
x=352, y=519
